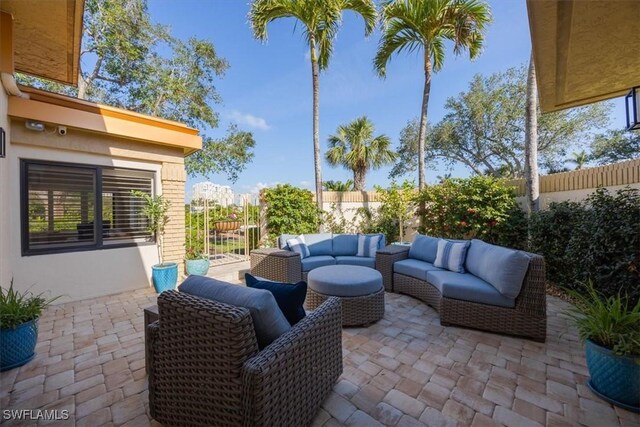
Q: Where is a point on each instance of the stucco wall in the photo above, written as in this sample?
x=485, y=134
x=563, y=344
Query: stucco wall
x=79, y=275
x=5, y=211
x=574, y=195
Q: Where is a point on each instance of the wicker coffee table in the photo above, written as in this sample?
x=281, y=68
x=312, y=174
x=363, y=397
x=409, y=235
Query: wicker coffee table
x=359, y=288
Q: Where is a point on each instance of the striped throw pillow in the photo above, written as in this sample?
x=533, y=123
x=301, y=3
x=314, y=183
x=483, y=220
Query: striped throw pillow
x=298, y=245
x=368, y=245
x=451, y=255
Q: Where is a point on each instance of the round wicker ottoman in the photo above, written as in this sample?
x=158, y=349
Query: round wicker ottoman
x=359, y=288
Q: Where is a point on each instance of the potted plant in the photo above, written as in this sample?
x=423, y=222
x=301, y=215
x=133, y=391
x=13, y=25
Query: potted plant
x=164, y=274
x=612, y=333
x=231, y=223
x=196, y=262
x=19, y=314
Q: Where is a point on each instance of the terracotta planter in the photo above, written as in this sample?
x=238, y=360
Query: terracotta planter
x=221, y=226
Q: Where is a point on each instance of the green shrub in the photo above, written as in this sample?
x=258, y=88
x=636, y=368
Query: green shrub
x=512, y=232
x=466, y=208
x=551, y=230
x=290, y=210
x=605, y=244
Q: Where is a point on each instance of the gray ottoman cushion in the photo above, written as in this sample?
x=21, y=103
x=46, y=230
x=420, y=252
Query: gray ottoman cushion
x=345, y=280
x=268, y=320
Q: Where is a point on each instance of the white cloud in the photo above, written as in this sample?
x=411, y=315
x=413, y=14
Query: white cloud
x=249, y=120
x=260, y=185
x=305, y=184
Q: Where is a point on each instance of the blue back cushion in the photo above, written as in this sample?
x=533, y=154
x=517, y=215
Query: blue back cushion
x=345, y=244
x=318, y=243
x=289, y=297
x=424, y=248
x=268, y=321
x=503, y=268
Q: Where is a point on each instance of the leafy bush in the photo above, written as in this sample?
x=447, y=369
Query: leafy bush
x=605, y=244
x=551, y=230
x=512, y=232
x=607, y=321
x=290, y=210
x=466, y=208
x=17, y=307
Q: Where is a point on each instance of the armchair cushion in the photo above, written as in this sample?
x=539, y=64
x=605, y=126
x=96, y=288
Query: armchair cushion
x=424, y=248
x=268, y=320
x=483, y=258
x=289, y=297
x=312, y=262
x=414, y=268
x=356, y=260
x=345, y=244
x=467, y=287
x=320, y=243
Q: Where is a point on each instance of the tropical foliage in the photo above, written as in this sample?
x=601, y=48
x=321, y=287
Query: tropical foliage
x=337, y=185
x=615, y=146
x=138, y=65
x=579, y=159
x=290, y=210
x=484, y=129
x=355, y=147
x=320, y=22
x=425, y=25
x=17, y=307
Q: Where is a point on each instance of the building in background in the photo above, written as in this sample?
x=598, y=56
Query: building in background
x=216, y=193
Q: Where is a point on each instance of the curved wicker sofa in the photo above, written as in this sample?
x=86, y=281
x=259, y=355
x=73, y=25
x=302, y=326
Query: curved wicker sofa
x=528, y=318
x=206, y=369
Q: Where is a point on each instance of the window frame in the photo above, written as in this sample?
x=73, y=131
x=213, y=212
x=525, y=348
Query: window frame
x=98, y=245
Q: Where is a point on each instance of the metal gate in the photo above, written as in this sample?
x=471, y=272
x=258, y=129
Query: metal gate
x=224, y=232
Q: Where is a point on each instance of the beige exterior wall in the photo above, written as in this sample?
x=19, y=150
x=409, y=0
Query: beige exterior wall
x=79, y=275
x=5, y=210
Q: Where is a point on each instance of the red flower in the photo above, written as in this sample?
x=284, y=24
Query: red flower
x=463, y=223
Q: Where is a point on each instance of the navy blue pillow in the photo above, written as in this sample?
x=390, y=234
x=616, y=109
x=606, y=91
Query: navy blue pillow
x=289, y=297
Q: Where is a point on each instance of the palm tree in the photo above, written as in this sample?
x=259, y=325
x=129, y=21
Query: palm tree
x=320, y=23
x=579, y=159
x=531, y=141
x=354, y=147
x=338, y=185
x=410, y=25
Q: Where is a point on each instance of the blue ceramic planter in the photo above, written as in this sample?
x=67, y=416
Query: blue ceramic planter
x=17, y=346
x=164, y=276
x=614, y=378
x=198, y=267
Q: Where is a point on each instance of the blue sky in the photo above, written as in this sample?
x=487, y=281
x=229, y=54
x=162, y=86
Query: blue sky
x=267, y=89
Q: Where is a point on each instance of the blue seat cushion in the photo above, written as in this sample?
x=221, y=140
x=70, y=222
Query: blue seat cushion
x=503, y=268
x=268, y=321
x=345, y=280
x=424, y=248
x=345, y=244
x=356, y=260
x=414, y=268
x=467, y=287
x=312, y=262
x=289, y=297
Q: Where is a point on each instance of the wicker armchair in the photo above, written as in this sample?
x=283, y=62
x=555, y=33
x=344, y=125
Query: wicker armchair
x=528, y=318
x=206, y=369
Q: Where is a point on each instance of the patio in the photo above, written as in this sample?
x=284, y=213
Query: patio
x=405, y=370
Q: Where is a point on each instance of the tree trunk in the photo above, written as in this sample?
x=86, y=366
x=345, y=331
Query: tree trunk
x=531, y=141
x=422, y=135
x=359, y=177
x=315, y=71
x=82, y=86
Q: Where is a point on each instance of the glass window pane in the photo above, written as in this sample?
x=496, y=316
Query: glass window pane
x=122, y=218
x=61, y=206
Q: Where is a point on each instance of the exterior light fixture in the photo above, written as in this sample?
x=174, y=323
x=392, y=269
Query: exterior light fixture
x=632, y=103
x=32, y=125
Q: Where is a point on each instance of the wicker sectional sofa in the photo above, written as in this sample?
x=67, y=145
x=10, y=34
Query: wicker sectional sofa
x=524, y=315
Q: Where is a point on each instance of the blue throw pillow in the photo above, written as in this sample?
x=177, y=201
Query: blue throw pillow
x=299, y=245
x=289, y=297
x=368, y=244
x=451, y=255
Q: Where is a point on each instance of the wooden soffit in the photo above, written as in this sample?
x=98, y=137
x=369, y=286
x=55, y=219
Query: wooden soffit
x=47, y=37
x=584, y=50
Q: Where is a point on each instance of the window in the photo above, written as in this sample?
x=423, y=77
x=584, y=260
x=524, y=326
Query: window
x=77, y=207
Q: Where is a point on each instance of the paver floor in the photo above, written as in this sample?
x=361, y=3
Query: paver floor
x=405, y=370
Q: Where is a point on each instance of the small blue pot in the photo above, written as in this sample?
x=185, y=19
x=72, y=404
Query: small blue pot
x=17, y=346
x=198, y=267
x=614, y=378
x=164, y=276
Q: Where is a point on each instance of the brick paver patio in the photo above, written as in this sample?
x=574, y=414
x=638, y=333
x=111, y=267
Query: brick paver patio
x=406, y=370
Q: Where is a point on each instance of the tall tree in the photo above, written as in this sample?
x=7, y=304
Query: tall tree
x=531, y=141
x=337, y=185
x=354, y=147
x=320, y=21
x=128, y=61
x=579, y=159
x=615, y=146
x=425, y=25
x=484, y=129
